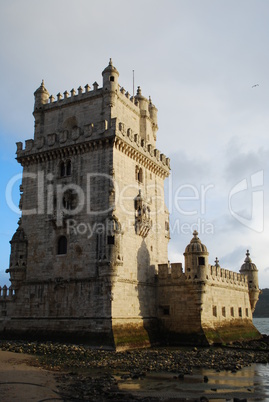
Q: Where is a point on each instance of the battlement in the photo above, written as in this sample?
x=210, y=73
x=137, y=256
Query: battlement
x=211, y=274
x=170, y=271
x=6, y=293
x=225, y=275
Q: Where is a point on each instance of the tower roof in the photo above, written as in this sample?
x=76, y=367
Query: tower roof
x=41, y=89
x=110, y=68
x=248, y=264
x=196, y=245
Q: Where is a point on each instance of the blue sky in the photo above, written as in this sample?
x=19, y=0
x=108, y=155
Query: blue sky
x=198, y=60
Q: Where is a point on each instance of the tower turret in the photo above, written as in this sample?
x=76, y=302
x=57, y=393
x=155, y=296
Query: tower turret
x=250, y=269
x=153, y=115
x=110, y=77
x=196, y=259
x=41, y=96
x=143, y=102
x=18, y=257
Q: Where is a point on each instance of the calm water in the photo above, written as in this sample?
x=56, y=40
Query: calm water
x=262, y=325
x=250, y=383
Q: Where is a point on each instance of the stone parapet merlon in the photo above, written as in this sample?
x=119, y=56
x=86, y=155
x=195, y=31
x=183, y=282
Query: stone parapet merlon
x=215, y=275
x=94, y=133
x=169, y=271
x=91, y=133
x=6, y=293
x=225, y=275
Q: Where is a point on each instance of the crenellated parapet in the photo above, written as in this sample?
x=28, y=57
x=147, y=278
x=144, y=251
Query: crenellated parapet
x=225, y=276
x=7, y=293
x=67, y=141
x=170, y=273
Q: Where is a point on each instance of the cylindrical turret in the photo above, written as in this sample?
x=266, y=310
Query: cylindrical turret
x=18, y=257
x=142, y=101
x=110, y=77
x=153, y=112
x=250, y=269
x=196, y=259
x=41, y=96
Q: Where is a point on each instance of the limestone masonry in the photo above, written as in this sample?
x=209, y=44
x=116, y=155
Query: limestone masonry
x=89, y=258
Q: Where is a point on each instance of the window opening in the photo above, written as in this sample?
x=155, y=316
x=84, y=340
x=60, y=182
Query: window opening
x=68, y=168
x=62, y=245
x=110, y=240
x=215, y=311
x=62, y=169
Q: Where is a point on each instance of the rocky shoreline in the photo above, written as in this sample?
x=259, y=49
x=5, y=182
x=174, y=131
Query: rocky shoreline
x=86, y=374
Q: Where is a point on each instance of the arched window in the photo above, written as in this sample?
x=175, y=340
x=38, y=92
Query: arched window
x=136, y=172
x=68, y=168
x=140, y=175
x=62, y=245
x=62, y=169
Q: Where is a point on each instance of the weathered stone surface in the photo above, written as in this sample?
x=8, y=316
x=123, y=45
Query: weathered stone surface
x=89, y=258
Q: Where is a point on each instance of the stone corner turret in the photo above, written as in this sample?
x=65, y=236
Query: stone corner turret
x=41, y=96
x=196, y=259
x=249, y=268
x=110, y=77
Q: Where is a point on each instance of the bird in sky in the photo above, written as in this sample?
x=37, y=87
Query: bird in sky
x=256, y=85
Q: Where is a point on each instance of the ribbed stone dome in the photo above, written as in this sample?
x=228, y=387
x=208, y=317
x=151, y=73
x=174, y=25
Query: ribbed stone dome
x=196, y=245
x=248, y=264
x=19, y=235
x=110, y=68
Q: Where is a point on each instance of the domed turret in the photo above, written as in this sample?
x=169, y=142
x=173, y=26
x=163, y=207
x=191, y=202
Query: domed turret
x=196, y=259
x=250, y=269
x=41, y=96
x=110, y=77
x=18, y=257
x=143, y=102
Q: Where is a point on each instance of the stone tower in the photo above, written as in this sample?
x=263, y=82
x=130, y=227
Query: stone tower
x=94, y=226
x=196, y=259
x=250, y=269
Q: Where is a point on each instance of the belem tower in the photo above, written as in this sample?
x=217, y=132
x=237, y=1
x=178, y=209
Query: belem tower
x=89, y=258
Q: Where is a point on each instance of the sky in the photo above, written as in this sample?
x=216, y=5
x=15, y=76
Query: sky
x=205, y=65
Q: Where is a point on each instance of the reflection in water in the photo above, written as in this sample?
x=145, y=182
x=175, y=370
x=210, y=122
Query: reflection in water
x=251, y=382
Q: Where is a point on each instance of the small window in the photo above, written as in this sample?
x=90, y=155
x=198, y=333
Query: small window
x=62, y=245
x=232, y=312
x=140, y=175
x=240, y=312
x=166, y=310
x=201, y=260
x=110, y=240
x=111, y=78
x=68, y=168
x=167, y=226
x=223, y=312
x=246, y=312
x=214, y=311
x=62, y=169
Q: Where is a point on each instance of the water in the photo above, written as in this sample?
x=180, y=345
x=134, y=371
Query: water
x=262, y=325
x=250, y=383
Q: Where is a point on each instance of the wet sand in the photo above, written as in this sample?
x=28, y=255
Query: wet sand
x=35, y=371
x=22, y=379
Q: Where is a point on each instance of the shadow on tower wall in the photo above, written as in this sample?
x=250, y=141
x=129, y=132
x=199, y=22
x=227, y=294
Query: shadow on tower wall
x=146, y=289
